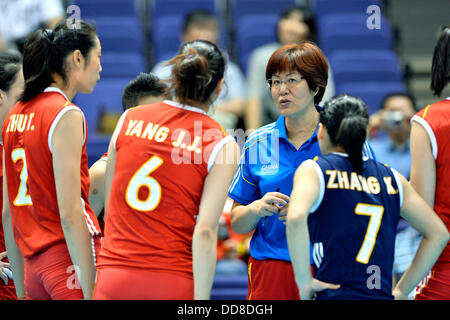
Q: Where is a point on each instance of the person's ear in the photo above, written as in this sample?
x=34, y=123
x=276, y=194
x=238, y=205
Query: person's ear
x=2, y=97
x=321, y=131
x=219, y=86
x=77, y=59
x=316, y=91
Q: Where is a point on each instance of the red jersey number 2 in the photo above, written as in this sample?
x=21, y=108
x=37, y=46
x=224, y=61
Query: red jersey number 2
x=22, y=197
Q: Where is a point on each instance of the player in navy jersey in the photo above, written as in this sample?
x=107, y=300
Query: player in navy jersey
x=355, y=205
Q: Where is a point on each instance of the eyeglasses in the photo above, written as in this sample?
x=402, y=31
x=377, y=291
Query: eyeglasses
x=291, y=81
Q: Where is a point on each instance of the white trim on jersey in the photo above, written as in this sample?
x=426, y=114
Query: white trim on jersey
x=236, y=175
x=55, y=89
x=90, y=224
x=367, y=151
x=92, y=229
x=94, y=254
x=321, y=184
x=318, y=253
x=58, y=118
x=184, y=107
x=365, y=157
x=118, y=129
x=215, y=151
x=342, y=154
x=423, y=283
x=266, y=129
x=399, y=184
x=430, y=133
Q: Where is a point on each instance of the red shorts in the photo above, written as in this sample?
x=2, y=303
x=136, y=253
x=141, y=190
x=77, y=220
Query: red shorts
x=115, y=283
x=7, y=292
x=436, y=285
x=51, y=275
x=271, y=280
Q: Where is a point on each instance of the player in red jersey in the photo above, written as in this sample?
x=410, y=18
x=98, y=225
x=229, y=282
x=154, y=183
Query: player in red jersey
x=146, y=88
x=169, y=167
x=11, y=87
x=430, y=167
x=51, y=232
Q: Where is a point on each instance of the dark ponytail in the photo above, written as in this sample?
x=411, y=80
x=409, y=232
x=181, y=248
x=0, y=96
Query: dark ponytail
x=10, y=65
x=351, y=136
x=36, y=64
x=440, y=67
x=196, y=72
x=45, y=52
x=346, y=119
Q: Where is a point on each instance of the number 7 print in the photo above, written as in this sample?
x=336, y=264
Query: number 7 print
x=376, y=214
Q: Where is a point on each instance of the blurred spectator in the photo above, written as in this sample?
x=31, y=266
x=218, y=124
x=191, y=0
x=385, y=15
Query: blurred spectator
x=18, y=18
x=295, y=24
x=390, y=129
x=229, y=106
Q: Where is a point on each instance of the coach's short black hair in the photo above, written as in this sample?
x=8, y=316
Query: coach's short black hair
x=144, y=85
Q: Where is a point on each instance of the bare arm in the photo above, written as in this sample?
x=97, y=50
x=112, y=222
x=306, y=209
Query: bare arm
x=204, y=241
x=435, y=237
x=67, y=143
x=15, y=257
x=245, y=218
x=423, y=166
x=97, y=187
x=303, y=196
x=109, y=175
x=111, y=164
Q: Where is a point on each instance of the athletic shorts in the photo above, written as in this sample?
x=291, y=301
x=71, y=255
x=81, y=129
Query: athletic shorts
x=436, y=285
x=51, y=275
x=271, y=279
x=7, y=292
x=116, y=283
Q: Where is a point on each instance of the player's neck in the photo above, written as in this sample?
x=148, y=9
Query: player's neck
x=203, y=106
x=332, y=149
x=304, y=124
x=65, y=87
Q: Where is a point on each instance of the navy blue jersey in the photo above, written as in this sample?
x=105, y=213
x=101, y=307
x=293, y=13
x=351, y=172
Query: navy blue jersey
x=353, y=226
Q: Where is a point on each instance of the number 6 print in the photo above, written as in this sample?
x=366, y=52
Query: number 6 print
x=142, y=179
x=22, y=198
